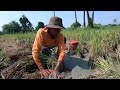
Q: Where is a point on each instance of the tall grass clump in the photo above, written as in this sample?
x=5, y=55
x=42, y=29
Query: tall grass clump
x=106, y=69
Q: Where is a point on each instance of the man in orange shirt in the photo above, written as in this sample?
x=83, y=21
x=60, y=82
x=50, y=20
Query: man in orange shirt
x=47, y=38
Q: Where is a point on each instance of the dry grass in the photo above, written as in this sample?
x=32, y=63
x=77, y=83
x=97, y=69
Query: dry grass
x=105, y=69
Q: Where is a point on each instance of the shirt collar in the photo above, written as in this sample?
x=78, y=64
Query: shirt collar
x=46, y=30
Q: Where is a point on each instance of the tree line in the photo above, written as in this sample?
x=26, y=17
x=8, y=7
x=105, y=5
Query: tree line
x=24, y=26
x=89, y=19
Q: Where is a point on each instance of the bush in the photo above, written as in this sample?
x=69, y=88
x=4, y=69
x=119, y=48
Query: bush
x=1, y=33
x=90, y=24
x=75, y=25
x=40, y=25
x=12, y=27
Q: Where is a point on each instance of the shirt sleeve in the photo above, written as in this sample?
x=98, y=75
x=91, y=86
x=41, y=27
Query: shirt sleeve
x=61, y=48
x=37, y=46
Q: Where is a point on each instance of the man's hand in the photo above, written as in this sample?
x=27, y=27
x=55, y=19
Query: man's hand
x=45, y=73
x=55, y=71
x=55, y=74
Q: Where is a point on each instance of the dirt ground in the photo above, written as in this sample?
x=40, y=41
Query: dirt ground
x=17, y=60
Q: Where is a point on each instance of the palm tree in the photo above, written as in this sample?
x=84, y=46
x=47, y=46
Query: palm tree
x=115, y=21
x=84, y=18
x=75, y=17
x=93, y=17
x=54, y=13
x=88, y=17
x=25, y=24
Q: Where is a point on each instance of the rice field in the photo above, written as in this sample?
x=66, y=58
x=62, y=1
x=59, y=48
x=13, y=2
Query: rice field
x=99, y=41
x=103, y=44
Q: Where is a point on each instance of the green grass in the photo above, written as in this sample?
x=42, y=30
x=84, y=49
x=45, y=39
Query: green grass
x=19, y=36
x=98, y=38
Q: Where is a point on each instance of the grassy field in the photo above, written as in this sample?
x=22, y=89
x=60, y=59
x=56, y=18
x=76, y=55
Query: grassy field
x=103, y=44
x=100, y=40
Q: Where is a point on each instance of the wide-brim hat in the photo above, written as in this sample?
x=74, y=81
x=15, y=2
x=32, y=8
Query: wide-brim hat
x=55, y=22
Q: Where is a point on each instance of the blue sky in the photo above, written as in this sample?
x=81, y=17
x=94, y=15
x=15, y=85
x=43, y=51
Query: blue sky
x=103, y=17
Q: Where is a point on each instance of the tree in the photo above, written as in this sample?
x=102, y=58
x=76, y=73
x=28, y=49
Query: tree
x=0, y=33
x=54, y=13
x=12, y=27
x=84, y=19
x=115, y=21
x=25, y=24
x=40, y=25
x=76, y=22
x=75, y=25
x=75, y=17
x=93, y=16
x=90, y=20
x=88, y=17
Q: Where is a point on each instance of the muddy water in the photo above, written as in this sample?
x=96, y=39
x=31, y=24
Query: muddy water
x=78, y=67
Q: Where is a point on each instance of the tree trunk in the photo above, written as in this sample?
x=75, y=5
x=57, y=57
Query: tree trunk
x=84, y=19
x=75, y=17
x=93, y=17
x=88, y=16
x=54, y=13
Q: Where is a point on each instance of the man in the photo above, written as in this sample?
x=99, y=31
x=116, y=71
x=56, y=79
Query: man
x=47, y=38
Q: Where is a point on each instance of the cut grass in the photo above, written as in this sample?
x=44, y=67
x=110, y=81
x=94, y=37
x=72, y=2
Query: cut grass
x=106, y=68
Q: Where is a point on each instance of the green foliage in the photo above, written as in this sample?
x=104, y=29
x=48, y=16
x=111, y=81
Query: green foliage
x=50, y=61
x=90, y=24
x=75, y=25
x=12, y=27
x=114, y=21
x=94, y=36
x=40, y=25
x=1, y=33
x=26, y=25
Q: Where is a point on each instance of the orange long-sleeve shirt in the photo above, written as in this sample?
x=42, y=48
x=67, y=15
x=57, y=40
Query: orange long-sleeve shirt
x=43, y=39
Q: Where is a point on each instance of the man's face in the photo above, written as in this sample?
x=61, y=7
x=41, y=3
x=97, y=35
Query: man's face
x=53, y=32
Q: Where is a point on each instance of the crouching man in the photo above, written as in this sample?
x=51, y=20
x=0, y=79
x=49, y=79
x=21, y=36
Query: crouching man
x=47, y=38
